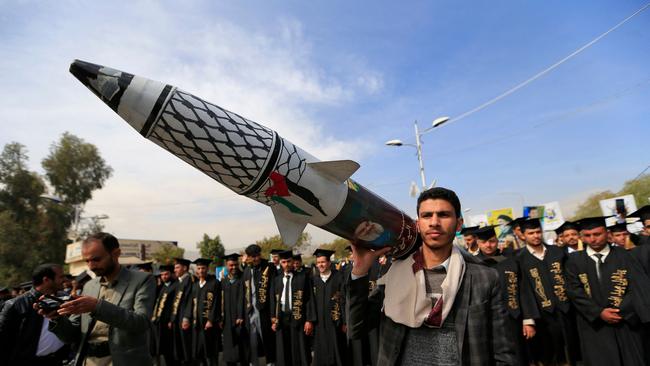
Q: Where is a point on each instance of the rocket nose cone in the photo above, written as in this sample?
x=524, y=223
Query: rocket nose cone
x=84, y=71
x=106, y=83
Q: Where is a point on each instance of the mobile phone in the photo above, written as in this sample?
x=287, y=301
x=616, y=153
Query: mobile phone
x=48, y=305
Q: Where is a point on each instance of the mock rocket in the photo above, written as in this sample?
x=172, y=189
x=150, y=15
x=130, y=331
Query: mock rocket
x=254, y=161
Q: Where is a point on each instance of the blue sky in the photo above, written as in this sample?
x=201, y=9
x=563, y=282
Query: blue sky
x=340, y=79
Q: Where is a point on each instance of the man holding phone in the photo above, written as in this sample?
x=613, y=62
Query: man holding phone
x=24, y=335
x=111, y=319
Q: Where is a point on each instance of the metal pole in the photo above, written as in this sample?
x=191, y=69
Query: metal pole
x=419, y=148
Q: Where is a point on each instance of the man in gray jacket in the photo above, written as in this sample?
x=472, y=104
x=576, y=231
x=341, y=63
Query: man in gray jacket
x=439, y=305
x=111, y=319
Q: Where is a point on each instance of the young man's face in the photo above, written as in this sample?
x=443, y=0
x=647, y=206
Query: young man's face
x=255, y=259
x=165, y=276
x=437, y=223
x=297, y=264
x=52, y=285
x=231, y=266
x=533, y=237
x=518, y=233
x=287, y=265
x=323, y=264
x=275, y=259
x=570, y=237
x=488, y=247
x=646, y=227
x=619, y=238
x=470, y=240
x=596, y=238
x=201, y=270
x=179, y=269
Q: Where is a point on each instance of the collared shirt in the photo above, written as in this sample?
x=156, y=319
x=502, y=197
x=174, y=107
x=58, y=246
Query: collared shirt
x=202, y=283
x=100, y=331
x=286, y=288
x=536, y=254
x=48, y=343
x=325, y=277
x=591, y=253
x=184, y=276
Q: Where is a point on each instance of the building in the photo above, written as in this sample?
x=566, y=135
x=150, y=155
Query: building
x=134, y=251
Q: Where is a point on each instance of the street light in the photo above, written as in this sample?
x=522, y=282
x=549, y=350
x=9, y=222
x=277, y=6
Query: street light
x=418, y=144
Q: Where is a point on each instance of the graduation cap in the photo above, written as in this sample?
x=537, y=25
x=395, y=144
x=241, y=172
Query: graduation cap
x=286, y=254
x=589, y=223
x=528, y=223
x=643, y=213
x=166, y=268
x=485, y=233
x=231, y=257
x=517, y=222
x=26, y=285
x=618, y=227
x=349, y=248
x=202, y=262
x=182, y=261
x=147, y=266
x=469, y=230
x=4, y=290
x=297, y=257
x=567, y=225
x=277, y=251
x=323, y=253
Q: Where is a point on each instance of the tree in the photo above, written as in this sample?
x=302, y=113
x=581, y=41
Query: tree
x=211, y=248
x=639, y=187
x=275, y=242
x=166, y=254
x=75, y=169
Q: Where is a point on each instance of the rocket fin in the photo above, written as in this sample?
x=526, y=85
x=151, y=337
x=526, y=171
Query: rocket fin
x=290, y=226
x=336, y=170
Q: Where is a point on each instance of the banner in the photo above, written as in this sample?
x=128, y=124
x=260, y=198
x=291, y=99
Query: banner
x=476, y=220
x=620, y=207
x=534, y=212
x=501, y=218
x=553, y=217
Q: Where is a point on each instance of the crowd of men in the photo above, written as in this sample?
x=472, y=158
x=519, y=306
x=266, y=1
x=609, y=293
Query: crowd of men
x=584, y=300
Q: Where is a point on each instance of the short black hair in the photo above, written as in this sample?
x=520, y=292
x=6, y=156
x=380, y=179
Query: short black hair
x=108, y=241
x=253, y=249
x=44, y=270
x=440, y=193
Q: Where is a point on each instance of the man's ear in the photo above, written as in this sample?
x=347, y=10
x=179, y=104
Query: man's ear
x=117, y=252
x=459, y=224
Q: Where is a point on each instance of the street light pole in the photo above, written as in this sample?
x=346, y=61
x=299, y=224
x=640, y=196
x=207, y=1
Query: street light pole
x=418, y=146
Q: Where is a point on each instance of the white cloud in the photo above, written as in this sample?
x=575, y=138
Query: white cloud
x=272, y=77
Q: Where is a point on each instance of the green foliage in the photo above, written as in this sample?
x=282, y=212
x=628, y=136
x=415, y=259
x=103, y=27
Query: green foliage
x=167, y=253
x=639, y=187
x=338, y=246
x=211, y=248
x=75, y=169
x=275, y=242
x=33, y=229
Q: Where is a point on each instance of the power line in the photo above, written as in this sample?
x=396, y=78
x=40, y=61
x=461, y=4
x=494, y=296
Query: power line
x=541, y=73
x=640, y=174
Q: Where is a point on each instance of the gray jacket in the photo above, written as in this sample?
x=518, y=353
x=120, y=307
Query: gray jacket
x=128, y=315
x=479, y=321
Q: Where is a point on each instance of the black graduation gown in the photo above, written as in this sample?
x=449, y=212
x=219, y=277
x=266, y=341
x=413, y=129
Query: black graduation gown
x=620, y=287
x=206, y=306
x=182, y=339
x=543, y=298
x=160, y=319
x=260, y=279
x=234, y=336
x=329, y=338
x=364, y=351
x=510, y=279
x=291, y=341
